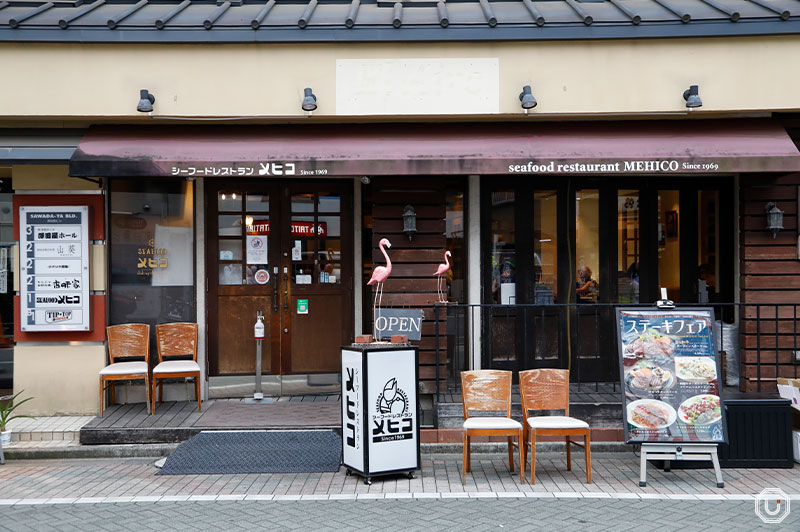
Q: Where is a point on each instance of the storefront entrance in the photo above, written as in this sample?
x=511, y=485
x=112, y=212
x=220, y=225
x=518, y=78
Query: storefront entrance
x=285, y=249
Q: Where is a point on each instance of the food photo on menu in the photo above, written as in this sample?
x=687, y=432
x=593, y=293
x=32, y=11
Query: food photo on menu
x=670, y=376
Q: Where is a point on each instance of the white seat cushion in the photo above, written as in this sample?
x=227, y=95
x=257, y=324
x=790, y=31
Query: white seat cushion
x=556, y=422
x=491, y=423
x=176, y=366
x=125, y=368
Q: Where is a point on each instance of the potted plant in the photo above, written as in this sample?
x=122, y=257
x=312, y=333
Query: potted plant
x=7, y=414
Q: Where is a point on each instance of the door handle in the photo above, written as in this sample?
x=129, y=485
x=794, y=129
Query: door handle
x=275, y=296
x=285, y=292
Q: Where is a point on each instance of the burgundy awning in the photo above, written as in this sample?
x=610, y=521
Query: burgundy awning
x=603, y=148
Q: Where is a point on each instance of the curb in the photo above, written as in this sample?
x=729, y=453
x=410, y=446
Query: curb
x=153, y=450
x=147, y=450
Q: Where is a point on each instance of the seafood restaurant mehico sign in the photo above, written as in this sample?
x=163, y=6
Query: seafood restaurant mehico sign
x=670, y=376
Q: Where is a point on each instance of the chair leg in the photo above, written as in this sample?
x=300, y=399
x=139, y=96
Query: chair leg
x=153, y=395
x=113, y=393
x=569, y=454
x=197, y=392
x=532, y=439
x=524, y=448
x=520, y=437
x=161, y=392
x=465, y=465
x=102, y=405
x=511, y=453
x=588, y=455
x=147, y=393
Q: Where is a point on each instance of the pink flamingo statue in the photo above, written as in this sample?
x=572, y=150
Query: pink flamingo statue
x=379, y=276
x=441, y=285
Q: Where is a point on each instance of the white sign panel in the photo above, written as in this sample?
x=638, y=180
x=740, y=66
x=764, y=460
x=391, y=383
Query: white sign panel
x=417, y=86
x=54, y=268
x=257, y=249
x=352, y=408
x=392, y=410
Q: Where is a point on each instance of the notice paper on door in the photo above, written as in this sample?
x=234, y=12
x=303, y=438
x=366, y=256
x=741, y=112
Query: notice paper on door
x=297, y=250
x=257, y=249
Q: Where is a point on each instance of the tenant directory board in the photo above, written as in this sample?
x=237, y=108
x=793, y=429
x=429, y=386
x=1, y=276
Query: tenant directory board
x=54, y=268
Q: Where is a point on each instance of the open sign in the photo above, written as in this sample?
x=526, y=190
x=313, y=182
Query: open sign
x=398, y=321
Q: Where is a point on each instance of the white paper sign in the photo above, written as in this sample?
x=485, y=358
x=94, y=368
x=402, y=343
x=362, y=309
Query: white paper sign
x=257, y=249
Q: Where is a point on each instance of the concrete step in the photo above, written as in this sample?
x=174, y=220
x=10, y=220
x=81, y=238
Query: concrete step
x=41, y=432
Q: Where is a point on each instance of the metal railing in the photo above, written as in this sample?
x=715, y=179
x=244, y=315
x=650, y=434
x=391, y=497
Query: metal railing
x=760, y=340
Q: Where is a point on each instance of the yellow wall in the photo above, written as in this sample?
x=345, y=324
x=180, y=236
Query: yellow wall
x=62, y=378
x=54, y=81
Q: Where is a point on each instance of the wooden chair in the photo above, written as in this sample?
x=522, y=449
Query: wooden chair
x=126, y=342
x=176, y=340
x=548, y=389
x=484, y=391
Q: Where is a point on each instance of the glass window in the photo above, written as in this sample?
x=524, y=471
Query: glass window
x=587, y=245
x=229, y=201
x=669, y=243
x=152, y=251
x=545, y=247
x=628, y=246
x=707, y=246
x=7, y=271
x=503, y=242
x=455, y=235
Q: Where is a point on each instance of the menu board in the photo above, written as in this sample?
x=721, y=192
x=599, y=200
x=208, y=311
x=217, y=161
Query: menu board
x=670, y=375
x=54, y=267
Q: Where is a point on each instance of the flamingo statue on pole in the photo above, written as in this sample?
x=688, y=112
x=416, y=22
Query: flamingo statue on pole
x=379, y=276
x=441, y=285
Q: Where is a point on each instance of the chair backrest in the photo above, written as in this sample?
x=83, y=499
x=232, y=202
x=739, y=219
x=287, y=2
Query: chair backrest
x=486, y=390
x=176, y=339
x=128, y=340
x=544, y=389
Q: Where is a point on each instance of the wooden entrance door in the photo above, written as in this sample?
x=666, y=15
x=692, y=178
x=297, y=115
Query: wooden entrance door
x=284, y=248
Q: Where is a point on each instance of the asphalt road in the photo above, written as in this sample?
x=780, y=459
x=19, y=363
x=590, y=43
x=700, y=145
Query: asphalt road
x=387, y=515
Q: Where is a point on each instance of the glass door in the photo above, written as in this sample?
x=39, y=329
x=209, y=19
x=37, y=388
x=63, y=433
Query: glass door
x=280, y=248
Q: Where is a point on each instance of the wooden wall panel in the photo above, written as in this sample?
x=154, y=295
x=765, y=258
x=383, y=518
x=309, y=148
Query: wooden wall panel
x=770, y=273
x=412, y=283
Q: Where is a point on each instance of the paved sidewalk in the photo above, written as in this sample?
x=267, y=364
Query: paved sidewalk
x=615, y=476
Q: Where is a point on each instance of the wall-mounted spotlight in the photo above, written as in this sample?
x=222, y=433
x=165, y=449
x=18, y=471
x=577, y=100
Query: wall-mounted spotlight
x=692, y=97
x=774, y=218
x=146, y=101
x=526, y=99
x=309, y=101
x=365, y=180
x=409, y=221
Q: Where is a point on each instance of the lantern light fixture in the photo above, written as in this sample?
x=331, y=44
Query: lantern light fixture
x=409, y=221
x=774, y=218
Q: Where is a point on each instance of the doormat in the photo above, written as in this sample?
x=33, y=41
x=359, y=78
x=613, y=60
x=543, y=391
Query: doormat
x=235, y=452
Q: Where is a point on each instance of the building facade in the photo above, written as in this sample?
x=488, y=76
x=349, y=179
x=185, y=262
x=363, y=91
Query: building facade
x=286, y=140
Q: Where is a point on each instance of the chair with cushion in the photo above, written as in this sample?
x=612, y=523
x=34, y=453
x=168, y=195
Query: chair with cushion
x=129, y=354
x=176, y=342
x=489, y=392
x=548, y=389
